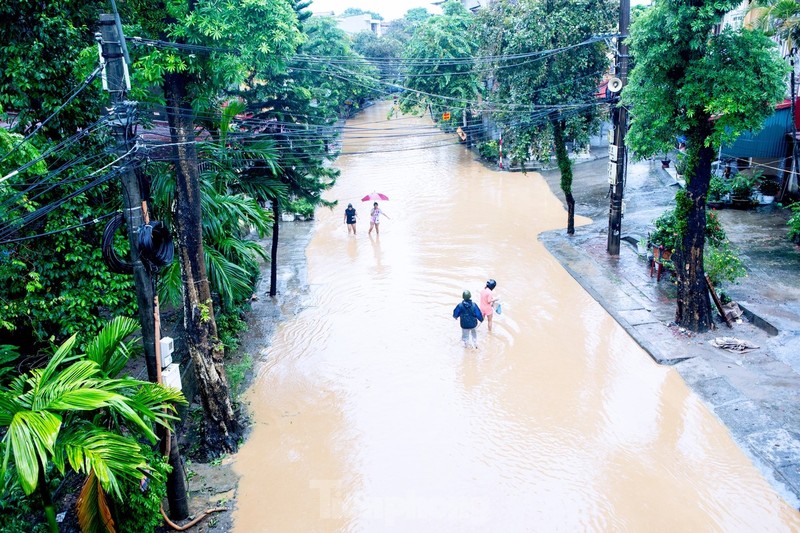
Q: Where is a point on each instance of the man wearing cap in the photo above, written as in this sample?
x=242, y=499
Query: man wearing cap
x=469, y=315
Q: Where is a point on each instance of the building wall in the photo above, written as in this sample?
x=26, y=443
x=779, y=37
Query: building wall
x=359, y=23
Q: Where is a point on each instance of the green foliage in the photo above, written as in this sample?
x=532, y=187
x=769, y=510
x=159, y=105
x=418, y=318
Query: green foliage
x=41, y=63
x=353, y=11
x=742, y=185
x=794, y=223
x=17, y=511
x=302, y=207
x=445, y=37
x=681, y=164
x=229, y=325
x=403, y=29
x=779, y=18
x=237, y=373
x=140, y=509
x=56, y=284
x=668, y=228
x=330, y=90
x=684, y=74
x=722, y=263
x=564, y=81
x=717, y=189
x=489, y=150
x=382, y=51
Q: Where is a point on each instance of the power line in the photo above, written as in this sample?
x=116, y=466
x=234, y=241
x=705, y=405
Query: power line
x=62, y=230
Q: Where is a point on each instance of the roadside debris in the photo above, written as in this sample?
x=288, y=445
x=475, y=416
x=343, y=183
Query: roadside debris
x=732, y=344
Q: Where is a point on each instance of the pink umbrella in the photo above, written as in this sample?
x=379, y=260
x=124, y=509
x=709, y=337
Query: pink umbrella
x=375, y=196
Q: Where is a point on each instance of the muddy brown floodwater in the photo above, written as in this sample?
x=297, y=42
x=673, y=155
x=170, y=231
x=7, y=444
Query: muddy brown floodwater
x=369, y=415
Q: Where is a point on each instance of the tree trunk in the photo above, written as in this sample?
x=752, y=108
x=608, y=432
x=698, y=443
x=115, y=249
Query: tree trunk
x=273, y=258
x=693, y=310
x=220, y=431
x=565, y=166
x=47, y=499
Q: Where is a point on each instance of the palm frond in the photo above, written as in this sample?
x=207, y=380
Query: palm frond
x=170, y=285
x=232, y=281
x=94, y=514
x=110, y=456
x=74, y=377
x=31, y=438
x=109, y=349
x=59, y=357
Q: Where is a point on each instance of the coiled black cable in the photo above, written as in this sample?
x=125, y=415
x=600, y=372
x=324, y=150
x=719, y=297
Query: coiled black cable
x=155, y=245
x=113, y=261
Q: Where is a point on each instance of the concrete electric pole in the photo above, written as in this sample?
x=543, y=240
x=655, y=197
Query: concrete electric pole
x=122, y=120
x=617, y=156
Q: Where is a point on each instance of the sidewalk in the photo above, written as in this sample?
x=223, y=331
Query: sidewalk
x=756, y=394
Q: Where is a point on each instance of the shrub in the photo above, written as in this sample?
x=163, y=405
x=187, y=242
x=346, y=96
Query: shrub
x=667, y=229
x=681, y=164
x=769, y=186
x=722, y=264
x=794, y=223
x=742, y=185
x=140, y=510
x=237, y=374
x=489, y=150
x=303, y=207
x=717, y=188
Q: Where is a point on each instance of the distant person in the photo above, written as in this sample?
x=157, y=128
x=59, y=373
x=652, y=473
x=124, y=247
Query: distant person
x=487, y=302
x=350, y=218
x=469, y=315
x=375, y=219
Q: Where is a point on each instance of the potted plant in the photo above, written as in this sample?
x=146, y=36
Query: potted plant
x=665, y=161
x=719, y=192
x=742, y=186
x=769, y=189
x=641, y=246
x=302, y=208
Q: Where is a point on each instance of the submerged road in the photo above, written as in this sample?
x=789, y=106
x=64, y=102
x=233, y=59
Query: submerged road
x=369, y=414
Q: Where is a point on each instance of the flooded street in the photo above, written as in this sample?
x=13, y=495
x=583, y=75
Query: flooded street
x=369, y=415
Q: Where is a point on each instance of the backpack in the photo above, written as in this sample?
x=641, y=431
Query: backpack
x=467, y=316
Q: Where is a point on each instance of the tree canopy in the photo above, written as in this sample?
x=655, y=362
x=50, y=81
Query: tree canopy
x=688, y=80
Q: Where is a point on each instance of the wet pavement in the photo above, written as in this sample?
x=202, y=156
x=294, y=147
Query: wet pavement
x=754, y=394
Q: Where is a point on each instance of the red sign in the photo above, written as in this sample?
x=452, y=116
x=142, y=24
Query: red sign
x=446, y=116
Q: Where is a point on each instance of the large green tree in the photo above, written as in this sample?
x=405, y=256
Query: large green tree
x=380, y=51
x=438, y=67
x=688, y=80
x=222, y=46
x=53, y=283
x=550, y=95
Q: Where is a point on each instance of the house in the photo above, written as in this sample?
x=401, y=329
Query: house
x=357, y=23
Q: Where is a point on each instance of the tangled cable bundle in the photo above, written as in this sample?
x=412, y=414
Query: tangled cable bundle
x=155, y=244
x=113, y=261
x=156, y=248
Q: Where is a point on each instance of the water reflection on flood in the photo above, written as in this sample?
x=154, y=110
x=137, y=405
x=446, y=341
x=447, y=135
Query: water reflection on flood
x=369, y=415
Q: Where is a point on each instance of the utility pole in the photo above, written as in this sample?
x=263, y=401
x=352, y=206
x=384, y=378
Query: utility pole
x=617, y=151
x=123, y=118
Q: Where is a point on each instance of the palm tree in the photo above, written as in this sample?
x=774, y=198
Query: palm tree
x=780, y=18
x=73, y=412
x=234, y=180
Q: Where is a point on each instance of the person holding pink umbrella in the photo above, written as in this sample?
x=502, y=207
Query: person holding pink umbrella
x=375, y=219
